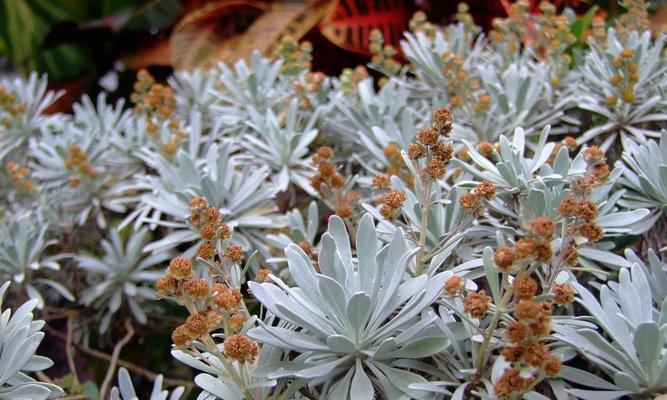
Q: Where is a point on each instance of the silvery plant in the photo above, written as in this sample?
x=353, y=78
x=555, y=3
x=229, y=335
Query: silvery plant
x=243, y=196
x=631, y=314
x=645, y=178
x=27, y=119
x=121, y=277
x=24, y=240
x=322, y=243
x=125, y=389
x=21, y=335
x=622, y=86
x=345, y=344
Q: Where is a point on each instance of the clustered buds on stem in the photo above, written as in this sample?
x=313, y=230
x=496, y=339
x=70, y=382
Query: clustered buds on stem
x=473, y=201
x=156, y=102
x=19, y=175
x=78, y=161
x=212, y=306
x=429, y=152
x=330, y=184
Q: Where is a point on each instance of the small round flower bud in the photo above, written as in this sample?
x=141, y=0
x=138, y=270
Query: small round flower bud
x=229, y=300
x=337, y=181
x=524, y=287
x=344, y=210
x=212, y=214
x=543, y=227
x=427, y=136
x=181, y=336
x=486, y=190
x=207, y=250
x=236, y=321
x=327, y=169
x=415, y=151
x=552, y=366
x=197, y=203
x=504, y=258
x=180, y=268
x=435, y=169
x=197, y=289
x=563, y=294
x=196, y=325
x=391, y=150
x=235, y=254
x=381, y=181
x=443, y=151
x=527, y=310
x=240, y=348
x=591, y=231
x=325, y=152
x=394, y=198
x=516, y=332
x=454, y=285
x=477, y=304
x=587, y=210
x=568, y=207
x=543, y=252
x=485, y=149
x=166, y=286
x=208, y=231
x=263, y=275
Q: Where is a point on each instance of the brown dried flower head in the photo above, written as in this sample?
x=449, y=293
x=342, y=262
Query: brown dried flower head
x=504, y=258
x=453, y=285
x=442, y=151
x=435, y=169
x=381, y=181
x=234, y=254
x=543, y=227
x=236, y=321
x=196, y=325
x=166, y=286
x=180, y=268
x=207, y=250
x=240, y=348
x=415, y=151
x=563, y=294
x=394, y=198
x=477, y=304
x=427, y=136
x=181, y=336
x=524, y=287
x=486, y=190
x=197, y=289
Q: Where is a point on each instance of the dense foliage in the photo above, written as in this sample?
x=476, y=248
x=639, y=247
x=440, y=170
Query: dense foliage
x=486, y=221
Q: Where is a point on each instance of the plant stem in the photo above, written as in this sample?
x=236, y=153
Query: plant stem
x=423, y=224
x=104, y=389
x=500, y=308
x=68, y=352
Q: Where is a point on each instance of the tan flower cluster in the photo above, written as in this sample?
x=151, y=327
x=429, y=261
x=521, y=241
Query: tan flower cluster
x=419, y=23
x=553, y=38
x=240, y=348
x=10, y=104
x=383, y=55
x=207, y=220
x=350, y=78
x=477, y=304
x=156, y=102
x=454, y=285
x=78, y=161
x=330, y=184
x=526, y=335
x=392, y=201
x=296, y=57
x=508, y=33
x=535, y=246
x=212, y=306
x=473, y=201
x=461, y=86
x=308, y=84
x=19, y=175
x=430, y=147
x=624, y=79
x=635, y=18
